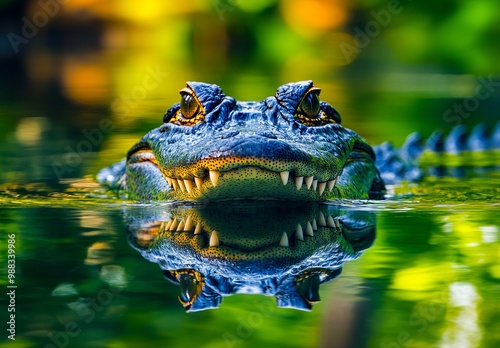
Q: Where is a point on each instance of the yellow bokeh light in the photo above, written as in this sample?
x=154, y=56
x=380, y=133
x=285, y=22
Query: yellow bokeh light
x=422, y=278
x=85, y=82
x=314, y=17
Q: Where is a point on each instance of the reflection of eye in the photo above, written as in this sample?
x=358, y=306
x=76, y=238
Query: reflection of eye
x=309, y=105
x=189, y=105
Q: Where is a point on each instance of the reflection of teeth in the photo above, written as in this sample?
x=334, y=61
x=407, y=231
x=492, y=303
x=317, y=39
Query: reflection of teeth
x=321, y=187
x=337, y=223
x=214, y=239
x=189, y=224
x=298, y=182
x=314, y=225
x=214, y=177
x=174, y=224
x=330, y=222
x=197, y=230
x=308, y=180
x=167, y=225
x=284, y=177
x=169, y=180
x=199, y=182
x=321, y=220
x=331, y=184
x=189, y=185
x=284, y=240
x=299, y=234
x=180, y=227
x=337, y=180
x=309, y=229
x=180, y=182
x=174, y=184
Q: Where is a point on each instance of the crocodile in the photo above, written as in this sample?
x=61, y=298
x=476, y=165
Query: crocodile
x=216, y=250
x=290, y=146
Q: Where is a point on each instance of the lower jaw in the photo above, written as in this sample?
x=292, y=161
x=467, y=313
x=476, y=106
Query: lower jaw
x=251, y=183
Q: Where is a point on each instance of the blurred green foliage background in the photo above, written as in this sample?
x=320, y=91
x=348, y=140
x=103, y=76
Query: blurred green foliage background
x=386, y=65
x=106, y=71
x=390, y=67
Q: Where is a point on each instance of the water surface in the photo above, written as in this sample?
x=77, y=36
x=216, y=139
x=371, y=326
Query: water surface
x=430, y=276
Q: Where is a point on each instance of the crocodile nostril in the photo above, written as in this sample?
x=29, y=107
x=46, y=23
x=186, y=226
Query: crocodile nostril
x=267, y=135
x=229, y=135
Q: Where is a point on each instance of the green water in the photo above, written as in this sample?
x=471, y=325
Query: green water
x=430, y=278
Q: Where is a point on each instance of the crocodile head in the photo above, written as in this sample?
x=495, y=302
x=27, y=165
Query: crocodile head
x=290, y=146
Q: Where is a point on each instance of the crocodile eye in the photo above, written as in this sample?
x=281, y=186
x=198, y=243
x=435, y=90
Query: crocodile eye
x=189, y=105
x=309, y=105
x=312, y=112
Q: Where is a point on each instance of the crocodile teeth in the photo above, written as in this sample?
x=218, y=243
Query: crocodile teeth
x=175, y=186
x=214, y=177
x=337, y=180
x=321, y=187
x=180, y=227
x=308, y=180
x=331, y=184
x=337, y=223
x=298, y=182
x=197, y=230
x=169, y=180
x=314, y=225
x=189, y=185
x=199, y=182
x=284, y=177
x=321, y=220
x=309, y=229
x=180, y=182
x=330, y=222
x=299, y=233
x=284, y=240
x=214, y=239
x=189, y=224
x=315, y=184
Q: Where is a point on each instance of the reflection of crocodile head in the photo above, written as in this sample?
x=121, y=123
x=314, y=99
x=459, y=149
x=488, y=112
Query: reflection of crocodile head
x=219, y=250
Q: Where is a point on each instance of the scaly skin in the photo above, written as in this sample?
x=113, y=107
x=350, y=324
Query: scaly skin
x=213, y=148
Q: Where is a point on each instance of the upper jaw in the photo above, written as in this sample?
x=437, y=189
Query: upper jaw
x=237, y=183
x=243, y=178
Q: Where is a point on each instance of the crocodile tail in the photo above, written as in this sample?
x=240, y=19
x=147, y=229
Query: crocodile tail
x=408, y=162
